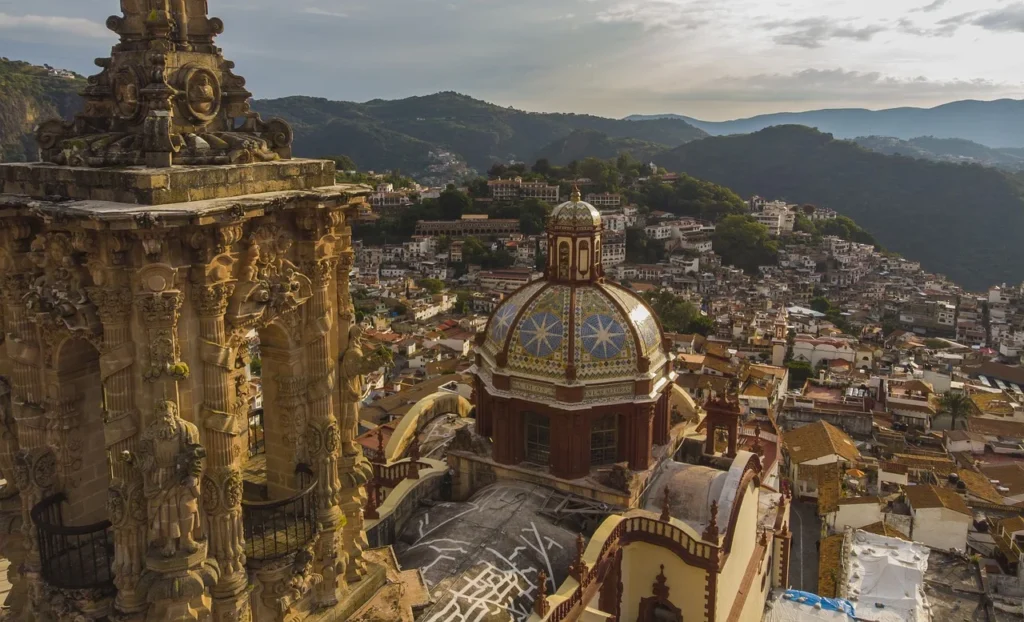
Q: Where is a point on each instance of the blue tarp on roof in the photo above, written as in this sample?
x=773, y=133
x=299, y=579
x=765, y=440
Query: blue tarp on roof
x=830, y=604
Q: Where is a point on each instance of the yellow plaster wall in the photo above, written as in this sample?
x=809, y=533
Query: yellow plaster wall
x=427, y=409
x=742, y=548
x=641, y=563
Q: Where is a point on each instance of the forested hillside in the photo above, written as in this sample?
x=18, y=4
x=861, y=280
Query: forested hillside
x=399, y=134
x=964, y=221
x=30, y=94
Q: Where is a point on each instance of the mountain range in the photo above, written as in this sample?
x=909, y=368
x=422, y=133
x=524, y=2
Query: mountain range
x=400, y=134
x=991, y=123
x=953, y=215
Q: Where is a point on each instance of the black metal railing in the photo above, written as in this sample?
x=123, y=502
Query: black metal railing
x=73, y=558
x=257, y=435
x=274, y=529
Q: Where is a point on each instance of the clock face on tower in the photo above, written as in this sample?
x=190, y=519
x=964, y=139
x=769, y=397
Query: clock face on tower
x=603, y=337
x=541, y=334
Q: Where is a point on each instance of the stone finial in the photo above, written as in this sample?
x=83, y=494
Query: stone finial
x=578, y=569
x=711, y=531
x=757, y=448
x=665, y=515
x=381, y=456
x=764, y=538
x=575, y=197
x=165, y=96
x=660, y=587
x=414, y=456
x=540, y=605
x=372, y=501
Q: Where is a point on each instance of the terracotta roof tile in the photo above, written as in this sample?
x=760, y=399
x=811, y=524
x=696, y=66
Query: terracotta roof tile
x=817, y=440
x=924, y=497
x=829, y=558
x=979, y=486
x=882, y=529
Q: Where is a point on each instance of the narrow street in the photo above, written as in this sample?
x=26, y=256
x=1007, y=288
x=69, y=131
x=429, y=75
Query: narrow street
x=803, y=561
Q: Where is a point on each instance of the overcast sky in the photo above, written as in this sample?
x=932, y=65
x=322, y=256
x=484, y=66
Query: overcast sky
x=712, y=59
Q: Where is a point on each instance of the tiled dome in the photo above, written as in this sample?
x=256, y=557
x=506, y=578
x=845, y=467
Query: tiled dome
x=607, y=329
x=575, y=214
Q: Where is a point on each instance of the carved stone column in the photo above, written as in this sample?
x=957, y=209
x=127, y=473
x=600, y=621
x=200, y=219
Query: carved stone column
x=225, y=436
x=8, y=440
x=26, y=398
x=323, y=436
x=126, y=504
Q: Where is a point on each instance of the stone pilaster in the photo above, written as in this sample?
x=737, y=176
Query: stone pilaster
x=26, y=396
x=224, y=439
x=323, y=436
x=126, y=502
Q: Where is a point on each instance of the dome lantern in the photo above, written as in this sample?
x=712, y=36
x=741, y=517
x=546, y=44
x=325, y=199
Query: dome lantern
x=574, y=241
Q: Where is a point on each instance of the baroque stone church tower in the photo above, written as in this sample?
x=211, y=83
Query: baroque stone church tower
x=165, y=226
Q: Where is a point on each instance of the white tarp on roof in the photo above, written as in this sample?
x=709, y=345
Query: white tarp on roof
x=884, y=578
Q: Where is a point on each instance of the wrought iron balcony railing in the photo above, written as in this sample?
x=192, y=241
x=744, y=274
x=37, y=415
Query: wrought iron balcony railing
x=73, y=557
x=274, y=529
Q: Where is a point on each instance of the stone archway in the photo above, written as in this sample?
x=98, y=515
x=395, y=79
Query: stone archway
x=284, y=408
x=423, y=412
x=75, y=428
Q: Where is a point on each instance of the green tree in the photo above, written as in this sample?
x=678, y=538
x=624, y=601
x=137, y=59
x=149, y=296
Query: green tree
x=478, y=188
x=821, y=304
x=533, y=216
x=799, y=372
x=744, y=243
x=701, y=325
x=343, y=163
x=642, y=249
x=958, y=405
x=677, y=314
x=542, y=167
x=434, y=286
x=453, y=204
x=256, y=366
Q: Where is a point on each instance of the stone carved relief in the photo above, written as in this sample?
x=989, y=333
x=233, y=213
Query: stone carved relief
x=202, y=94
x=85, y=605
x=288, y=581
x=58, y=295
x=126, y=507
x=126, y=93
x=270, y=286
x=170, y=459
x=160, y=311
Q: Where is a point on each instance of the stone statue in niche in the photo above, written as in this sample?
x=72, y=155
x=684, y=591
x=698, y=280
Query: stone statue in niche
x=170, y=459
x=563, y=260
x=202, y=94
x=355, y=364
x=126, y=94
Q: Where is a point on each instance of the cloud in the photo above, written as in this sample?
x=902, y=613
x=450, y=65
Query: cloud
x=25, y=24
x=843, y=85
x=1007, y=19
x=657, y=14
x=324, y=12
x=814, y=32
x=934, y=6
